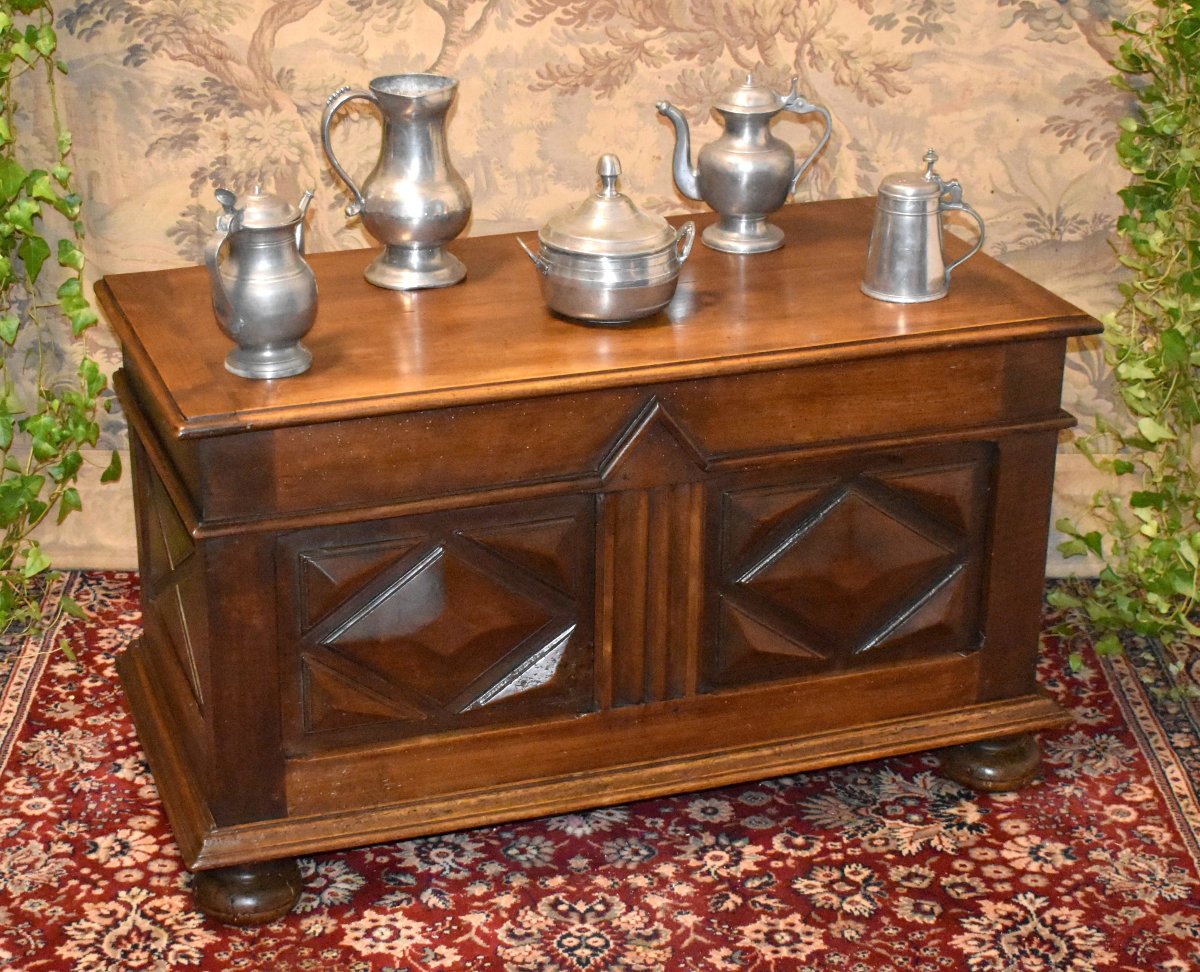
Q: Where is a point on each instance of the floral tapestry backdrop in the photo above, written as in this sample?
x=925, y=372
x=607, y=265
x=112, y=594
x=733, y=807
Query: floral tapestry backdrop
x=168, y=101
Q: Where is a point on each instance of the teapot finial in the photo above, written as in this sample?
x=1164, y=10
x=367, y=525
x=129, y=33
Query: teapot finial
x=931, y=157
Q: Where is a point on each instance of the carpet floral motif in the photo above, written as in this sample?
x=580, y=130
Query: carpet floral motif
x=879, y=867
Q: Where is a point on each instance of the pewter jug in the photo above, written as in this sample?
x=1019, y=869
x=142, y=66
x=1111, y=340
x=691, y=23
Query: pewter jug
x=747, y=173
x=264, y=294
x=905, y=260
x=414, y=201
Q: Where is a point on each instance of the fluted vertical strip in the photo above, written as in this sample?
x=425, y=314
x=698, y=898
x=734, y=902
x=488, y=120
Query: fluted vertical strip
x=649, y=603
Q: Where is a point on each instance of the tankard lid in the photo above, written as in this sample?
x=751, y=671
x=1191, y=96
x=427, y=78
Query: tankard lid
x=922, y=190
x=607, y=222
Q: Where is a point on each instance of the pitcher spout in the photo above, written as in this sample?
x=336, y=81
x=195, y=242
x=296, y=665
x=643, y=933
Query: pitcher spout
x=687, y=178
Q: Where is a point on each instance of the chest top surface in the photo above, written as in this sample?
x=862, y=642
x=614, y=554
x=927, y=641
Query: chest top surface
x=491, y=337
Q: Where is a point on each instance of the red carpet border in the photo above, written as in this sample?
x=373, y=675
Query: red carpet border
x=878, y=867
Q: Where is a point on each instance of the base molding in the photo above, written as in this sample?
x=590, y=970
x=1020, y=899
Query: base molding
x=204, y=845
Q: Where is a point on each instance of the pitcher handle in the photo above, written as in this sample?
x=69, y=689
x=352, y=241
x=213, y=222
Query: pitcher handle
x=799, y=105
x=342, y=96
x=952, y=199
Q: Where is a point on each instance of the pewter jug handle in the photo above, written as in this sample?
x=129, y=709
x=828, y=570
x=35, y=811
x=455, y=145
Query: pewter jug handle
x=799, y=105
x=226, y=223
x=952, y=199
x=340, y=97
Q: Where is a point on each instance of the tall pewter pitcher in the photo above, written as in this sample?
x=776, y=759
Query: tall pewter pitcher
x=413, y=201
x=905, y=261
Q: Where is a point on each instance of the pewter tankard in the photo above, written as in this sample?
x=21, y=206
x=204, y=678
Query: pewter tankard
x=414, y=201
x=905, y=260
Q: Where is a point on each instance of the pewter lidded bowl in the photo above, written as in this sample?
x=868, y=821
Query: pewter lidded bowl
x=608, y=261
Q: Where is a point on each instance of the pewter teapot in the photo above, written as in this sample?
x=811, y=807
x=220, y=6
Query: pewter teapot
x=747, y=173
x=264, y=294
x=905, y=260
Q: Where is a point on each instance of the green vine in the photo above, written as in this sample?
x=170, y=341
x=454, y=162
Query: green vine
x=1148, y=534
x=46, y=420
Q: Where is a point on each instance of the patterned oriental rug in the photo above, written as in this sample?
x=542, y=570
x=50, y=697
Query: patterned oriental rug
x=879, y=867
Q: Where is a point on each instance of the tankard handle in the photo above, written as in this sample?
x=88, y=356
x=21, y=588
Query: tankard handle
x=799, y=105
x=952, y=200
x=342, y=96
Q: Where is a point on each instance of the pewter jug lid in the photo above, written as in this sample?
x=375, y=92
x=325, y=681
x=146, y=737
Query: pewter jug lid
x=607, y=222
x=260, y=209
x=914, y=185
x=749, y=98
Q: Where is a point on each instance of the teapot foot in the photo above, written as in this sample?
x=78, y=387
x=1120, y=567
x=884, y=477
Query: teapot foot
x=410, y=268
x=742, y=234
x=278, y=361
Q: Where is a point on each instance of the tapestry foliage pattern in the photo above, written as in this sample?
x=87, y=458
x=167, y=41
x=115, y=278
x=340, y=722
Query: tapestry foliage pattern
x=169, y=101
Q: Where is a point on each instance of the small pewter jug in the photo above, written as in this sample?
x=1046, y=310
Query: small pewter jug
x=905, y=260
x=747, y=173
x=414, y=201
x=264, y=294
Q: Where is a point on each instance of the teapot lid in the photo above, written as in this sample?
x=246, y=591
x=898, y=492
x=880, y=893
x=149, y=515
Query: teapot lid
x=749, y=98
x=914, y=185
x=260, y=209
x=607, y=222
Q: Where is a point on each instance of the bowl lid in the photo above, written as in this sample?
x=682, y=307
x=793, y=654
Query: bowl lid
x=607, y=222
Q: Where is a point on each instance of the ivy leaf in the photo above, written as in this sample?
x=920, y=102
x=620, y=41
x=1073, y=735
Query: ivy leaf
x=69, y=255
x=68, y=503
x=12, y=177
x=1174, y=347
x=33, y=251
x=113, y=472
x=1154, y=431
x=71, y=607
x=81, y=320
x=35, y=562
x=38, y=185
x=46, y=41
x=24, y=51
x=10, y=324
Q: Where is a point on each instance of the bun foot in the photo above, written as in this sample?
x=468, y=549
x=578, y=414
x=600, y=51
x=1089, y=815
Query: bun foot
x=248, y=894
x=993, y=765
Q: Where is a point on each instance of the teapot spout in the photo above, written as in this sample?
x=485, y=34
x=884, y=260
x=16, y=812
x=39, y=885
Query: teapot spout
x=687, y=179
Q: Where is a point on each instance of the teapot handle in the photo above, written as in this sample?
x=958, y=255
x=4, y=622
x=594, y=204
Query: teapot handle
x=340, y=97
x=799, y=105
x=952, y=200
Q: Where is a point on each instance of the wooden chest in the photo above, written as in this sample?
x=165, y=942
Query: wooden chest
x=483, y=563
